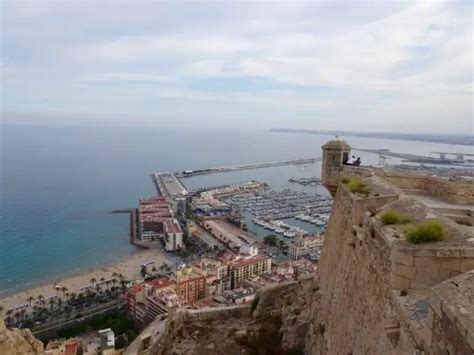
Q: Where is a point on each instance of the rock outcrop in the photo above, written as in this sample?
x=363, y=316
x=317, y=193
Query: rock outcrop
x=18, y=341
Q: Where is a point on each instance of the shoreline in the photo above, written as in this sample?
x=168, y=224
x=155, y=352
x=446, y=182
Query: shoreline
x=129, y=266
x=4, y=293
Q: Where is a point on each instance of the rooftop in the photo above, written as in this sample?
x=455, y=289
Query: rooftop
x=240, y=261
x=172, y=226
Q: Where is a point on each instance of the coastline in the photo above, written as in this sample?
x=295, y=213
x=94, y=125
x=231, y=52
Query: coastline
x=129, y=266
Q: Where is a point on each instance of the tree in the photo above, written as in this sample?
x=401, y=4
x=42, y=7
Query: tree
x=93, y=280
x=270, y=239
x=143, y=271
x=9, y=314
x=41, y=299
x=51, y=303
x=30, y=300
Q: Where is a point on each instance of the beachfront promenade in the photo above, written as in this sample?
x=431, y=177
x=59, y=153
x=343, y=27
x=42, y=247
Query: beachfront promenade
x=76, y=318
x=129, y=267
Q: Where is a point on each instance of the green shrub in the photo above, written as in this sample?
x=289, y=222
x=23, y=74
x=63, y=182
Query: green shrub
x=357, y=186
x=345, y=180
x=430, y=231
x=394, y=217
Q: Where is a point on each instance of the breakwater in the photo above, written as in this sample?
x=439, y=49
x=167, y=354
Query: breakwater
x=133, y=226
x=223, y=169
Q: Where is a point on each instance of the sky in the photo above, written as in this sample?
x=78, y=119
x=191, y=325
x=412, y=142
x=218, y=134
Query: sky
x=396, y=66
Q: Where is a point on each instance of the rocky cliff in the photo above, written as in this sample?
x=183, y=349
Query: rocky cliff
x=18, y=341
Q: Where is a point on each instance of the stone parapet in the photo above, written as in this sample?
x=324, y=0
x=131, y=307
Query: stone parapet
x=458, y=192
x=452, y=315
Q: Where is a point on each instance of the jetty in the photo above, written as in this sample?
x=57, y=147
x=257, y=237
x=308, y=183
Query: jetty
x=223, y=169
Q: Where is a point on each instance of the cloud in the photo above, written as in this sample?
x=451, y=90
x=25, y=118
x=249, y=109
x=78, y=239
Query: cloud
x=353, y=62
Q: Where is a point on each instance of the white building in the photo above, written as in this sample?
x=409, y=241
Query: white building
x=310, y=245
x=173, y=235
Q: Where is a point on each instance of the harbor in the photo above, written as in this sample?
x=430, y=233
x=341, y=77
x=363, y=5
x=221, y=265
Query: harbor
x=269, y=204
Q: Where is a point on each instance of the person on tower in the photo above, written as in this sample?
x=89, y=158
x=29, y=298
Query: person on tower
x=351, y=160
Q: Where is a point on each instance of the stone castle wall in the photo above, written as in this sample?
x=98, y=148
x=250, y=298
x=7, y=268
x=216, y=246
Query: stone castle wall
x=457, y=192
x=355, y=306
x=377, y=290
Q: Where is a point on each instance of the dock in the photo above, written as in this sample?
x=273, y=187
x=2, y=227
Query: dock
x=223, y=169
x=168, y=185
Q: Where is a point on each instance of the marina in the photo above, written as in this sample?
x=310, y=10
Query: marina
x=269, y=204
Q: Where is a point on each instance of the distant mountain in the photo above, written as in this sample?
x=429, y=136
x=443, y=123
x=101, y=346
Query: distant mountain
x=437, y=138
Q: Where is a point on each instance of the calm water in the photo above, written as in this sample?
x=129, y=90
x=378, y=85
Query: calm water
x=59, y=184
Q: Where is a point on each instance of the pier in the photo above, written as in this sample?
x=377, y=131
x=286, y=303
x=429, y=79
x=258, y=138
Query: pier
x=168, y=185
x=223, y=169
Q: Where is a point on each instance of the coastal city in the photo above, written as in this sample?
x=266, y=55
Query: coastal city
x=210, y=249
x=214, y=247
x=236, y=177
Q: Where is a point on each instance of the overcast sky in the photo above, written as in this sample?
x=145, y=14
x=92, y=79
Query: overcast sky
x=368, y=66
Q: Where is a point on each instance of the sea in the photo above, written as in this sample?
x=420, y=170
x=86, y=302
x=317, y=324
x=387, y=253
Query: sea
x=60, y=184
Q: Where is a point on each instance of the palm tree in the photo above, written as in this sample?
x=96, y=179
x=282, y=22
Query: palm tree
x=108, y=284
x=114, y=281
x=51, y=304
x=30, y=300
x=41, y=298
x=93, y=280
x=60, y=302
x=124, y=287
x=9, y=316
x=16, y=315
x=22, y=313
x=64, y=290
x=98, y=289
x=1, y=311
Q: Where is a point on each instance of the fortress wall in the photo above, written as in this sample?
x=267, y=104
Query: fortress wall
x=355, y=313
x=424, y=268
x=457, y=192
x=451, y=319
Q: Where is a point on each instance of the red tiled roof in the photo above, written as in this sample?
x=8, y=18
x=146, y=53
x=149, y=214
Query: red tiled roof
x=154, y=208
x=161, y=282
x=152, y=200
x=241, y=261
x=154, y=217
x=71, y=349
x=172, y=226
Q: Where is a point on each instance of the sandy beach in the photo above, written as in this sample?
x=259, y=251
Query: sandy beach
x=128, y=266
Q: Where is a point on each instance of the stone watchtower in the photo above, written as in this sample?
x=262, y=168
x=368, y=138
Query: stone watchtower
x=335, y=153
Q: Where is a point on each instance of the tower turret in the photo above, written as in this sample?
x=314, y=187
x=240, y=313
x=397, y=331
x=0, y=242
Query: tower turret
x=335, y=152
